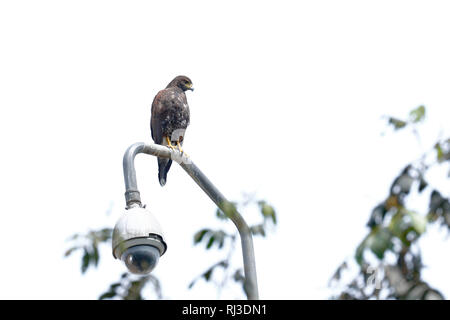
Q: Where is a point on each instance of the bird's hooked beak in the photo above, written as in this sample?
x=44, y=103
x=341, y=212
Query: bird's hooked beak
x=189, y=87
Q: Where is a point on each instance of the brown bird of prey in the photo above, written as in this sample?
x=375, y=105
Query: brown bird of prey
x=169, y=120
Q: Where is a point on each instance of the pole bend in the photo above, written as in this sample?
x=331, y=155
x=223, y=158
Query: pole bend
x=132, y=197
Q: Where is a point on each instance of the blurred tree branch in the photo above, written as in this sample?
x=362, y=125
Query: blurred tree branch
x=130, y=287
x=220, y=238
x=395, y=229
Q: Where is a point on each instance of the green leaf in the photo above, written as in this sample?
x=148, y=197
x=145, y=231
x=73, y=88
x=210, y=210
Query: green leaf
x=338, y=273
x=85, y=261
x=447, y=218
x=238, y=276
x=258, y=230
x=220, y=215
x=422, y=183
x=135, y=289
x=105, y=234
x=436, y=201
x=403, y=183
x=192, y=284
x=377, y=215
x=211, y=237
x=210, y=242
x=417, y=114
x=400, y=227
x=220, y=238
x=73, y=237
x=95, y=255
x=114, y=286
x=397, y=225
x=107, y=295
x=208, y=273
x=440, y=153
x=70, y=251
x=380, y=241
x=199, y=235
x=359, y=254
x=443, y=151
x=397, y=123
x=418, y=222
x=267, y=211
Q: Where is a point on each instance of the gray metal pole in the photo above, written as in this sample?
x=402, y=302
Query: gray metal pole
x=133, y=198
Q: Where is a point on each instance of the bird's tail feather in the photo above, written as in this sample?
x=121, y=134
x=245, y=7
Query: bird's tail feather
x=163, y=168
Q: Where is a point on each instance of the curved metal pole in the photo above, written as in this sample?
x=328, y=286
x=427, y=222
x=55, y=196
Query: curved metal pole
x=133, y=198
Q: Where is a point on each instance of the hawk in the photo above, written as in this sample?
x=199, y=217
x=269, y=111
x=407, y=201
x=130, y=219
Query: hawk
x=169, y=120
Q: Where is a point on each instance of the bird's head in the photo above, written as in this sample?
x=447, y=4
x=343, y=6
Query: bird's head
x=182, y=82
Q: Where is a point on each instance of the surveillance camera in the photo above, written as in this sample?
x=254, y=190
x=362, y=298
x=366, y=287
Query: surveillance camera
x=138, y=240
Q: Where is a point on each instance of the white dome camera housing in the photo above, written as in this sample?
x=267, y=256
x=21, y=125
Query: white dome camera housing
x=138, y=240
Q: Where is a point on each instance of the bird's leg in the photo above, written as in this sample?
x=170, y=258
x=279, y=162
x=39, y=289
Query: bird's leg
x=169, y=143
x=179, y=148
x=179, y=145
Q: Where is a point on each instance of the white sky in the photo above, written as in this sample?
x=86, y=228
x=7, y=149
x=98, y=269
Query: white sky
x=287, y=104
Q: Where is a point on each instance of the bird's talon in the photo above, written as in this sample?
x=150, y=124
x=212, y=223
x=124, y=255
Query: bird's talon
x=179, y=146
x=169, y=144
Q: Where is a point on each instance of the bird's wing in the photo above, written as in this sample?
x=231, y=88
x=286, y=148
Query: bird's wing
x=155, y=123
x=170, y=114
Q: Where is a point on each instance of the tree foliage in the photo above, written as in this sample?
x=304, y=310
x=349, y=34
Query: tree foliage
x=89, y=244
x=226, y=242
x=389, y=257
x=131, y=287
